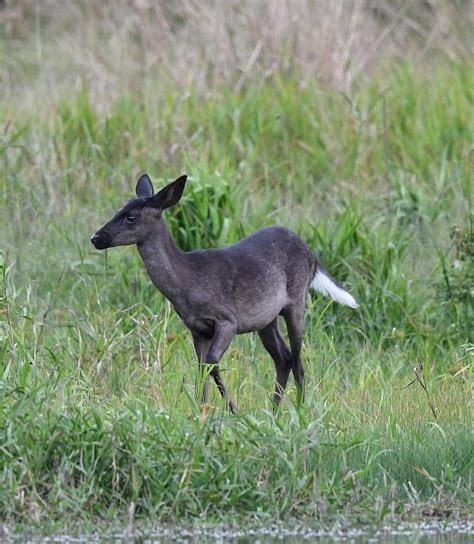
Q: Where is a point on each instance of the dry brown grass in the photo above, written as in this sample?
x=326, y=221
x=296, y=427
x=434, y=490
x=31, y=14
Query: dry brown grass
x=126, y=43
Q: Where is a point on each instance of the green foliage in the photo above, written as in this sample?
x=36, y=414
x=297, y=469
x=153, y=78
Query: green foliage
x=460, y=277
x=456, y=291
x=97, y=374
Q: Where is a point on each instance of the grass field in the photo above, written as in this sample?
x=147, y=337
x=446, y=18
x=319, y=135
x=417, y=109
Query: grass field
x=97, y=373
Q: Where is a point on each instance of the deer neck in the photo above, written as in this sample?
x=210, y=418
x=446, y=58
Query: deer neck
x=165, y=263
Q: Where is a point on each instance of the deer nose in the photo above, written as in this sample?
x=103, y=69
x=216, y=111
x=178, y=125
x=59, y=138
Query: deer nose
x=101, y=239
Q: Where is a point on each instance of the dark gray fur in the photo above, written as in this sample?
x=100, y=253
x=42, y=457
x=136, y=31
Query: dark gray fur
x=219, y=293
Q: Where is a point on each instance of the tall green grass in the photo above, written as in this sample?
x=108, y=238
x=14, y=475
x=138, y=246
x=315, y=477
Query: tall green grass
x=98, y=374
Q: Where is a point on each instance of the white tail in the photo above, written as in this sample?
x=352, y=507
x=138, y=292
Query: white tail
x=328, y=286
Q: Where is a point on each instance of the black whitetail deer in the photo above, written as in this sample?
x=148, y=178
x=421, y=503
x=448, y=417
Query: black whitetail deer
x=219, y=293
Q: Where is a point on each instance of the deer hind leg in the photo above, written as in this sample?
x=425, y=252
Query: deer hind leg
x=275, y=345
x=294, y=318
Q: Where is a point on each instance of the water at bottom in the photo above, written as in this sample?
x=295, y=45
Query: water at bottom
x=435, y=531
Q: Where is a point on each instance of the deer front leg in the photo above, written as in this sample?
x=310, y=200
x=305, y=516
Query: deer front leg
x=201, y=346
x=224, y=331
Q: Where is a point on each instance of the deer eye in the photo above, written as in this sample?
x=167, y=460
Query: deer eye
x=131, y=218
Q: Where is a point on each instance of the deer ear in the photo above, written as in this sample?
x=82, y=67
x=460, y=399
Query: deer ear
x=144, y=187
x=169, y=195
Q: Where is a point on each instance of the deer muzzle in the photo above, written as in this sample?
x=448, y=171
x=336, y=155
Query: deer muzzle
x=101, y=240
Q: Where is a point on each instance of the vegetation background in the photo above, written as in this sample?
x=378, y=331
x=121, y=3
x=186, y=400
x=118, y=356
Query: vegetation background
x=348, y=122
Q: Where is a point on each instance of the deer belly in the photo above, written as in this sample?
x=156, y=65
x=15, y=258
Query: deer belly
x=259, y=312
